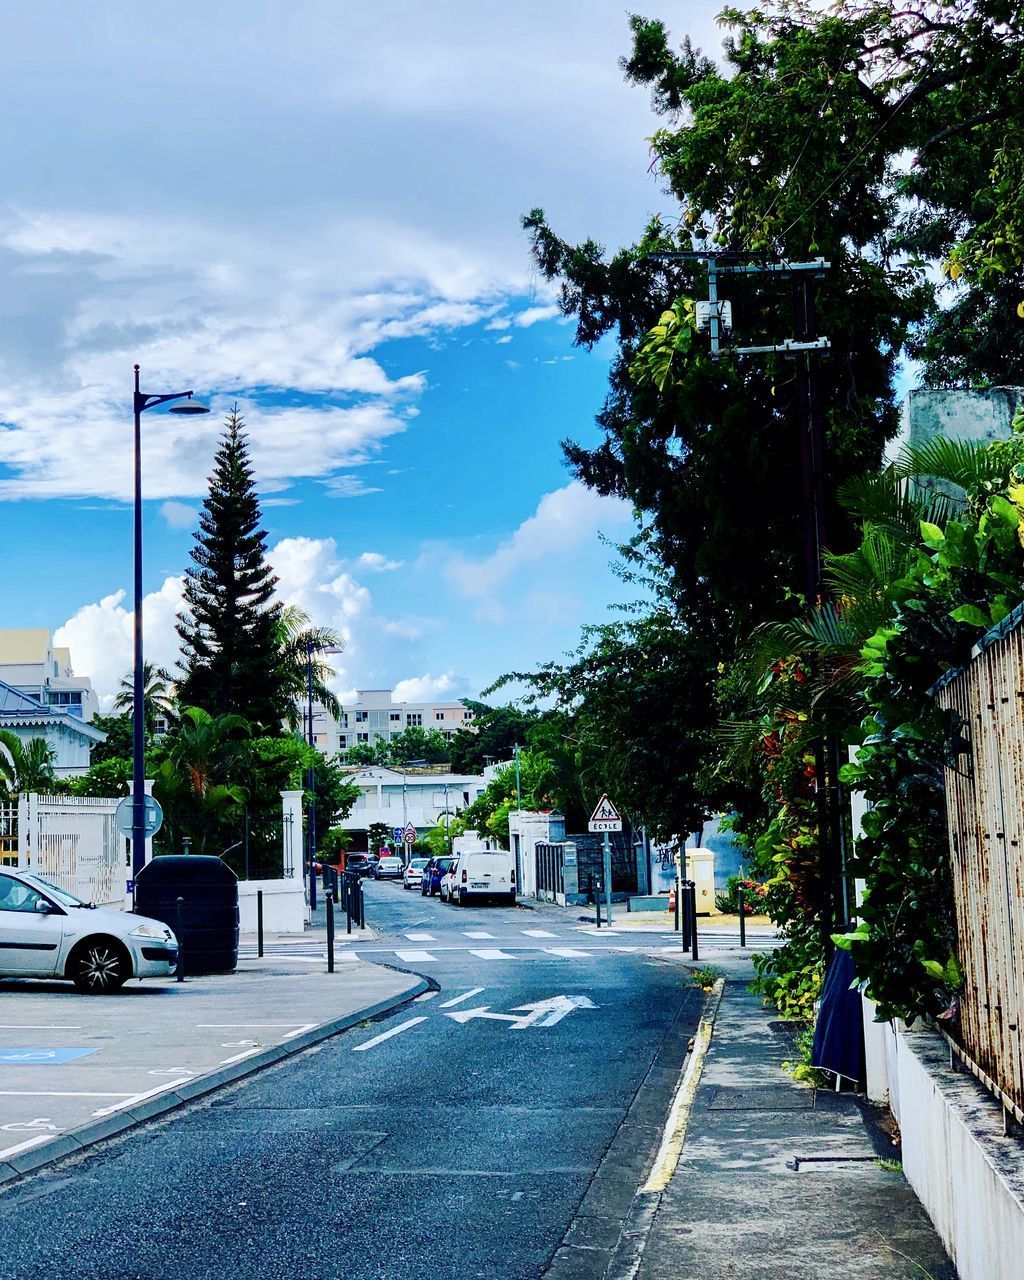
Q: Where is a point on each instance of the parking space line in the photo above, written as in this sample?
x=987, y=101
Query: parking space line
x=492, y=954
x=133, y=1098
x=427, y=995
x=29, y=1142
x=299, y=1030
x=402, y=1026
x=228, y=1026
x=35, y=1026
x=466, y=995
x=51, y=1093
x=246, y=1053
x=413, y=956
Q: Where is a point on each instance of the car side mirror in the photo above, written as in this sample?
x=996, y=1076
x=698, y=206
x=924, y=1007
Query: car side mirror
x=42, y=907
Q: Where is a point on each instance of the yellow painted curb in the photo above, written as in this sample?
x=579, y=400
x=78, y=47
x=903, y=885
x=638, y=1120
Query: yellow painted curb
x=672, y=1139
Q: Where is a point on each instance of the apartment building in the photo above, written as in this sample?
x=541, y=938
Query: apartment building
x=374, y=716
x=32, y=664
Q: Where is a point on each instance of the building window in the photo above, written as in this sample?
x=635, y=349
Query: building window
x=362, y=737
x=362, y=717
x=414, y=717
x=395, y=717
x=342, y=740
x=438, y=715
x=467, y=715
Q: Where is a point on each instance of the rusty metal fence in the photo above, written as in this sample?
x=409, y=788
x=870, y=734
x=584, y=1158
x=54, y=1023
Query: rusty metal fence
x=985, y=816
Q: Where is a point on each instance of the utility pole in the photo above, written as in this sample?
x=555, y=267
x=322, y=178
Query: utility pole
x=715, y=315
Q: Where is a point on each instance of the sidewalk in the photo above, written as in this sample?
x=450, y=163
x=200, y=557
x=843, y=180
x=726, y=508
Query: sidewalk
x=737, y=1208
x=75, y=1069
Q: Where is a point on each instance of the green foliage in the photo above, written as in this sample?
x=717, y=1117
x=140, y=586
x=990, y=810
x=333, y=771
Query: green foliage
x=230, y=627
x=25, y=765
x=334, y=843
x=301, y=648
x=158, y=698
x=118, y=744
x=494, y=733
x=378, y=834
x=489, y=813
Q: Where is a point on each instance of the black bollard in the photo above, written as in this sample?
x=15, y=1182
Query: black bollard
x=180, y=930
x=693, y=922
x=347, y=890
x=259, y=923
x=329, y=904
x=683, y=914
x=362, y=905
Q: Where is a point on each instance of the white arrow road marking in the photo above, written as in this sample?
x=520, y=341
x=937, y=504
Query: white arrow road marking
x=415, y=955
x=545, y=1013
x=466, y=995
x=483, y=1011
x=492, y=955
x=542, y=1013
x=402, y=1026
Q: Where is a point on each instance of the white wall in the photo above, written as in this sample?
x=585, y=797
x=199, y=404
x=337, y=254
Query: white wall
x=284, y=905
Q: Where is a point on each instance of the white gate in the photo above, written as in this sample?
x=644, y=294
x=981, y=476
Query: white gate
x=72, y=842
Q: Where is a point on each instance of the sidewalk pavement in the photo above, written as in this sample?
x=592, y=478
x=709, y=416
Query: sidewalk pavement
x=737, y=1207
x=76, y=1069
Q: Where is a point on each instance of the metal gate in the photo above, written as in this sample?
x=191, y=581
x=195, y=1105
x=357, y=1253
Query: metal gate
x=72, y=842
x=550, y=872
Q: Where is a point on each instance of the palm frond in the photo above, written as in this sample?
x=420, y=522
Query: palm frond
x=969, y=464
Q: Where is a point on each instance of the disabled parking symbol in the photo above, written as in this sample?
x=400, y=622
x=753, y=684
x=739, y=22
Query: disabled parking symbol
x=40, y=1057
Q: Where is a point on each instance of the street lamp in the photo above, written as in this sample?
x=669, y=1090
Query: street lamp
x=311, y=648
x=143, y=401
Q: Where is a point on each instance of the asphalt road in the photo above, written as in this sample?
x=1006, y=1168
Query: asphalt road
x=442, y=1142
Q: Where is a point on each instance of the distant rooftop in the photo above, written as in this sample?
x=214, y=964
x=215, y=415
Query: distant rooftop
x=23, y=645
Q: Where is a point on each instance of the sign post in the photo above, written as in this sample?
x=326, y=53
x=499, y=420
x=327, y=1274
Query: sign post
x=409, y=836
x=606, y=818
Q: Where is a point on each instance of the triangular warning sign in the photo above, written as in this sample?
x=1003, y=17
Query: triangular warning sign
x=605, y=811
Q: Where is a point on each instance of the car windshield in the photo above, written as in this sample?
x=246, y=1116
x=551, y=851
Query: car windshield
x=417, y=864
x=63, y=897
x=444, y=864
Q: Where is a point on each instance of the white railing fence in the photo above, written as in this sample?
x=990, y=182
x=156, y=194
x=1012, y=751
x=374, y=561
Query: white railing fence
x=72, y=842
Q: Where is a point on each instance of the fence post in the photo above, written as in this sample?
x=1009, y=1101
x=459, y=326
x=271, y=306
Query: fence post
x=348, y=901
x=743, y=917
x=693, y=921
x=329, y=904
x=259, y=922
x=179, y=929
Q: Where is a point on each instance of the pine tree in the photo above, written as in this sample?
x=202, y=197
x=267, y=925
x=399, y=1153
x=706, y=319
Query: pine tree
x=230, y=625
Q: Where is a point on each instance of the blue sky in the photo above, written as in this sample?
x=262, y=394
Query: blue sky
x=313, y=209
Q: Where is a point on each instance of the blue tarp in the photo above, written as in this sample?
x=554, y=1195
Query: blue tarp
x=839, y=1032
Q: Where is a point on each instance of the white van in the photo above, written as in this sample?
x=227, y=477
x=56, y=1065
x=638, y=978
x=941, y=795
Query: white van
x=483, y=873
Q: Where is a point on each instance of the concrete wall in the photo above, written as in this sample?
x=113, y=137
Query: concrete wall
x=968, y=1175
x=284, y=905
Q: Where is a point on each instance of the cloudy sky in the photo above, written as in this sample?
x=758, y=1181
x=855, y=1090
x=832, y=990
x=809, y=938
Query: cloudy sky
x=312, y=208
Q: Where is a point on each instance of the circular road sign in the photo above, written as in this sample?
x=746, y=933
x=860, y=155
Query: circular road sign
x=152, y=816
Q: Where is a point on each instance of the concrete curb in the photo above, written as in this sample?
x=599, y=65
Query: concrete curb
x=169, y=1099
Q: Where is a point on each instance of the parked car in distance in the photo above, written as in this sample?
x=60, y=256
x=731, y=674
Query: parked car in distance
x=448, y=881
x=433, y=873
x=414, y=873
x=389, y=869
x=358, y=863
x=46, y=932
x=484, y=873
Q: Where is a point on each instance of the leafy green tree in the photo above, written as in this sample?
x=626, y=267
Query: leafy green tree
x=378, y=834
x=230, y=627
x=118, y=744
x=158, y=699
x=494, y=733
x=417, y=743
x=25, y=765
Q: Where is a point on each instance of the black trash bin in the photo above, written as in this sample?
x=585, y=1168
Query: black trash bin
x=209, y=910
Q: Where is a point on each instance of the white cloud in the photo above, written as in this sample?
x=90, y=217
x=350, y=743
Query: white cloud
x=428, y=688
x=533, y=315
x=500, y=342
x=179, y=515
x=375, y=562
x=564, y=521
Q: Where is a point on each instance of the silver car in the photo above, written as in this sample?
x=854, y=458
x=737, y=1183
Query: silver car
x=46, y=932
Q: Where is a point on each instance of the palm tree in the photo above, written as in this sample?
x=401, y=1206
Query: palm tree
x=25, y=766
x=204, y=750
x=300, y=645
x=158, y=699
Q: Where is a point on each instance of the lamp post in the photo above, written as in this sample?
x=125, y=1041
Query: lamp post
x=141, y=402
x=311, y=648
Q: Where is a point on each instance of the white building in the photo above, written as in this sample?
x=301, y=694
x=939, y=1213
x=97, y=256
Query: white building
x=69, y=737
x=396, y=797
x=375, y=717
x=30, y=663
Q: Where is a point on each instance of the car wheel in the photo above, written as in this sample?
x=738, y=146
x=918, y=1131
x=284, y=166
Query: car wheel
x=101, y=967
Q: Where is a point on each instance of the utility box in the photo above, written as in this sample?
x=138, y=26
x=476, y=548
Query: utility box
x=700, y=868
x=208, y=888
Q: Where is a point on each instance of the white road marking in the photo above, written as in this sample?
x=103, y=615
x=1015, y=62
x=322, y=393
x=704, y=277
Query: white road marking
x=24, y=1146
x=427, y=995
x=541, y=1013
x=466, y=995
x=568, y=952
x=482, y=1011
x=538, y=933
x=477, y=933
x=402, y=1026
x=246, y=1053
x=413, y=956
x=21, y=1126
x=35, y=1026
x=49, y=1093
x=299, y=1030
x=591, y=931
x=492, y=955
x=627, y=950
x=180, y=1072
x=226, y=1026
x=421, y=937
x=132, y=1099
